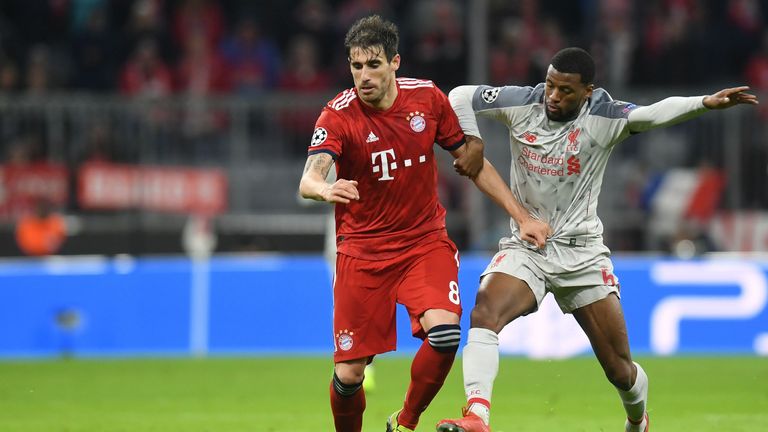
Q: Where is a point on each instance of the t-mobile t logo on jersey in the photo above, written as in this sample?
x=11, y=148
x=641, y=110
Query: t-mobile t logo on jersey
x=385, y=166
x=387, y=163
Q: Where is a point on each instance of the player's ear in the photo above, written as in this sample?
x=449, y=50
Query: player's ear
x=395, y=62
x=590, y=87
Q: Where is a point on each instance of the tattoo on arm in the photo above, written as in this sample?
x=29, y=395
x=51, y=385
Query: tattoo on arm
x=320, y=163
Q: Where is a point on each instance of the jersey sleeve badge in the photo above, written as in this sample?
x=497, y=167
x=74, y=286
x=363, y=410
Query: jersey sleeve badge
x=490, y=95
x=318, y=137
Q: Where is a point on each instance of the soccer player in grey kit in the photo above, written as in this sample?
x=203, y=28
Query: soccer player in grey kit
x=561, y=133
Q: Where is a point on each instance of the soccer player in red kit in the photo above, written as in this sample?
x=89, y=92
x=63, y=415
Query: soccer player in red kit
x=390, y=227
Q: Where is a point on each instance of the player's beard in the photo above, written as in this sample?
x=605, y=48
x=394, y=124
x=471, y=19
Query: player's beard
x=561, y=115
x=371, y=96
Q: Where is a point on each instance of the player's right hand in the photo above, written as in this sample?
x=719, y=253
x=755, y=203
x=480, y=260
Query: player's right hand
x=729, y=97
x=535, y=231
x=343, y=191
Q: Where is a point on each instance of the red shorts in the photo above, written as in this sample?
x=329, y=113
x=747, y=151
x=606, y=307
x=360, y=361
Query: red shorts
x=365, y=294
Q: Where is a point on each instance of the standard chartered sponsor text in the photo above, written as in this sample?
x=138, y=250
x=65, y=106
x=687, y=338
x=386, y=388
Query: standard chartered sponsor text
x=528, y=156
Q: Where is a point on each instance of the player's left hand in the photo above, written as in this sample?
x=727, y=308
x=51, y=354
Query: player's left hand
x=470, y=162
x=729, y=97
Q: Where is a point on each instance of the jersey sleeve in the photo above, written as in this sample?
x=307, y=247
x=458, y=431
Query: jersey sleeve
x=328, y=135
x=608, y=121
x=501, y=103
x=449, y=134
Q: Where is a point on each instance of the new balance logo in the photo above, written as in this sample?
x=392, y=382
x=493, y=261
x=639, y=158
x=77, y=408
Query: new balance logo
x=372, y=138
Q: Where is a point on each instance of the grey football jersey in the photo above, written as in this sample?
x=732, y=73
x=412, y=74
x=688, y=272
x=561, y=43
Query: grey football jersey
x=557, y=167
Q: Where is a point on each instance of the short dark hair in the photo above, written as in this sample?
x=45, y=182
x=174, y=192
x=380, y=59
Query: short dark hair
x=575, y=60
x=370, y=32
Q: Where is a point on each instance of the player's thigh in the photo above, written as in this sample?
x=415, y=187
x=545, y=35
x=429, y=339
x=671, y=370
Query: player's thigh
x=512, y=285
x=364, y=308
x=501, y=299
x=430, y=282
x=604, y=324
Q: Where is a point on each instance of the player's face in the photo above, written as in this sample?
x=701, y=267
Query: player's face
x=374, y=76
x=564, y=94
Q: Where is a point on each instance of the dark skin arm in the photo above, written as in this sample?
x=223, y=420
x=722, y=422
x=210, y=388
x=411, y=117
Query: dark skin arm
x=470, y=161
x=490, y=183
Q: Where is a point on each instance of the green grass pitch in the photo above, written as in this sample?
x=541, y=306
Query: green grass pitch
x=717, y=394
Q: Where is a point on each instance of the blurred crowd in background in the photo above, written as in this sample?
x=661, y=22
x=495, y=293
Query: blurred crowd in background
x=152, y=48
x=225, y=68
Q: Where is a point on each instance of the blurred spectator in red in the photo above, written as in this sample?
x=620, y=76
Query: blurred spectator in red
x=746, y=15
x=145, y=22
x=302, y=75
x=526, y=43
x=757, y=72
x=196, y=16
x=549, y=41
x=614, y=43
x=666, y=41
x=303, y=72
x=145, y=74
x=437, y=28
x=509, y=61
x=755, y=153
x=253, y=60
x=315, y=19
x=41, y=232
x=746, y=20
x=352, y=10
x=201, y=71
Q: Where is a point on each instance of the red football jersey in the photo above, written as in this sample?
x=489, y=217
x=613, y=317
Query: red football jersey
x=391, y=155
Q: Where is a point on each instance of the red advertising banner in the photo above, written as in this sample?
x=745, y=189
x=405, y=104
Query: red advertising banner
x=740, y=231
x=166, y=189
x=21, y=186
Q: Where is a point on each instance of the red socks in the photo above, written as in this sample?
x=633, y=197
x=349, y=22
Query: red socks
x=429, y=369
x=347, y=405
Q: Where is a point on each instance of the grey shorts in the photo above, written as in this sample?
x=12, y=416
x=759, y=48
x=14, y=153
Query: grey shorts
x=576, y=276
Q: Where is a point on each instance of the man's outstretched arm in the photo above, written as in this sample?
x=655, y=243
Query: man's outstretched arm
x=676, y=109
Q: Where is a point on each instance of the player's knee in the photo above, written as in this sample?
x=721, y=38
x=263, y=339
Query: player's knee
x=346, y=388
x=445, y=337
x=349, y=373
x=619, y=373
x=486, y=317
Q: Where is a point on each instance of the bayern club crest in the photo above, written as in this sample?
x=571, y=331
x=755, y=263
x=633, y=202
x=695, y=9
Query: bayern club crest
x=417, y=121
x=344, y=340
